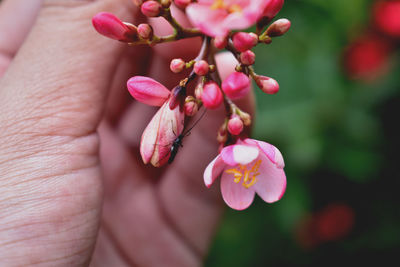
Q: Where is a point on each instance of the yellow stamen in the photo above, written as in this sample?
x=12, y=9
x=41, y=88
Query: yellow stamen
x=234, y=8
x=220, y=4
x=249, y=176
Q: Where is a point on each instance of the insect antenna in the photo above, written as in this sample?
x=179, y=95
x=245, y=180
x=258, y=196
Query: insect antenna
x=187, y=132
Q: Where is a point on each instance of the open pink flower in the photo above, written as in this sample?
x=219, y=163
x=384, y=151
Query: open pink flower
x=246, y=168
x=218, y=17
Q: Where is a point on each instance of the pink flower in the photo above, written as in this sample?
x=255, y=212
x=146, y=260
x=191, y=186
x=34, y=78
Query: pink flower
x=218, y=17
x=148, y=91
x=246, y=168
x=159, y=135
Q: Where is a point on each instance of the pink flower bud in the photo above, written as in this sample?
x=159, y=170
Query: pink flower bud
x=182, y=3
x=278, y=28
x=109, y=25
x=190, y=107
x=159, y=135
x=236, y=85
x=220, y=42
x=211, y=96
x=151, y=8
x=145, y=31
x=243, y=41
x=147, y=90
x=235, y=125
x=267, y=85
x=247, y=57
x=198, y=91
x=177, y=65
x=272, y=8
x=201, y=67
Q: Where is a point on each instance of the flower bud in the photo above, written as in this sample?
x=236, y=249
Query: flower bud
x=182, y=3
x=177, y=65
x=151, y=8
x=147, y=90
x=272, y=8
x=220, y=42
x=211, y=96
x=278, y=28
x=235, y=125
x=109, y=25
x=160, y=134
x=243, y=41
x=245, y=117
x=247, y=57
x=145, y=31
x=267, y=85
x=236, y=85
x=222, y=134
x=201, y=67
x=165, y=3
x=191, y=107
x=198, y=91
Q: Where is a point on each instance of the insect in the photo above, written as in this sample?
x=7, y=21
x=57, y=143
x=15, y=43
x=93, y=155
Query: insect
x=178, y=141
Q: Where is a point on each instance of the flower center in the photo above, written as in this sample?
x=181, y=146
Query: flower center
x=220, y=4
x=249, y=176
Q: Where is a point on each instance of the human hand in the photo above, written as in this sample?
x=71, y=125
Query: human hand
x=57, y=187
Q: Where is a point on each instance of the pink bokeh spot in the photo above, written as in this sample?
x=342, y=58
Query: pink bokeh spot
x=248, y=167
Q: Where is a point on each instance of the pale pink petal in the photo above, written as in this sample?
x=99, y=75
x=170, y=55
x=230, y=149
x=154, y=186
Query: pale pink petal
x=239, y=154
x=269, y=150
x=147, y=90
x=209, y=21
x=234, y=194
x=271, y=182
x=213, y=170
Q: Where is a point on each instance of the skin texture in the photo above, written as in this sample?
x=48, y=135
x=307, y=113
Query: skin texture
x=73, y=190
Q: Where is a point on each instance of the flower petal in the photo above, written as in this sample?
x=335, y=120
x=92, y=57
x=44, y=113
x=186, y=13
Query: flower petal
x=269, y=150
x=147, y=90
x=271, y=183
x=209, y=21
x=234, y=194
x=239, y=154
x=213, y=170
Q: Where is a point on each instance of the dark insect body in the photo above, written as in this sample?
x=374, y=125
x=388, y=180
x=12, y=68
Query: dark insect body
x=178, y=141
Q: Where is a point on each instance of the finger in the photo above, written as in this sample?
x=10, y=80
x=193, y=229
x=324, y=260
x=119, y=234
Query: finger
x=131, y=212
x=66, y=83
x=193, y=208
x=119, y=98
x=16, y=19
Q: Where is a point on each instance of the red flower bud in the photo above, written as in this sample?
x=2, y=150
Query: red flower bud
x=267, y=85
x=211, y=96
x=151, y=8
x=201, y=67
x=235, y=125
x=145, y=31
x=247, y=57
x=236, y=85
x=278, y=28
x=243, y=41
x=177, y=65
x=109, y=25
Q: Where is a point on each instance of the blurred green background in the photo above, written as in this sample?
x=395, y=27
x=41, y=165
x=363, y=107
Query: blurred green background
x=339, y=138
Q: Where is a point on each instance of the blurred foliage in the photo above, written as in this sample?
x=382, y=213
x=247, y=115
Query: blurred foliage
x=337, y=139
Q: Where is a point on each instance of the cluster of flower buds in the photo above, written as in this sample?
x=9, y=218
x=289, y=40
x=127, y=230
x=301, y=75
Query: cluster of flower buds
x=245, y=166
x=368, y=56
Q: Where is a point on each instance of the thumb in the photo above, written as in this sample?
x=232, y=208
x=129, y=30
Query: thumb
x=60, y=77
